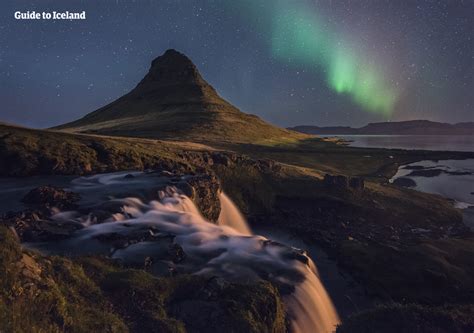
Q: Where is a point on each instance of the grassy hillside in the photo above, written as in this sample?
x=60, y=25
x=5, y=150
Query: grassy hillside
x=209, y=123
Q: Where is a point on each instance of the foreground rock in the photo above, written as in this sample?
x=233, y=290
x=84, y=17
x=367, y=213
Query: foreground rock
x=51, y=196
x=40, y=293
x=35, y=226
x=204, y=190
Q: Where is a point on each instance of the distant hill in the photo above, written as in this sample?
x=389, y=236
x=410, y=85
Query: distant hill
x=173, y=101
x=412, y=127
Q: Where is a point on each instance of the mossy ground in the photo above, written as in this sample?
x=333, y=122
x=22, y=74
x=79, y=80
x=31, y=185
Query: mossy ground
x=54, y=294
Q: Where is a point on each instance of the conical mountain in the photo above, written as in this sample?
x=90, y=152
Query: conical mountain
x=173, y=101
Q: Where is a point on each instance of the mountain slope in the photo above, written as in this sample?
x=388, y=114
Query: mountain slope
x=411, y=127
x=173, y=101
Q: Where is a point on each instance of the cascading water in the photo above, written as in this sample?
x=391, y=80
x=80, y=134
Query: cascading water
x=309, y=305
x=230, y=215
x=144, y=231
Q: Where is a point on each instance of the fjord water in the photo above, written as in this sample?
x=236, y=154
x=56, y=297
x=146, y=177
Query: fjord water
x=227, y=249
x=453, y=179
x=423, y=142
x=456, y=179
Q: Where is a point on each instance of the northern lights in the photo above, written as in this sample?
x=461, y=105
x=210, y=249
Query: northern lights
x=291, y=62
x=299, y=34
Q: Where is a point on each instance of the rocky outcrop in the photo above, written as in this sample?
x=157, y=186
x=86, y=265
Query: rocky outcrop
x=405, y=182
x=51, y=196
x=204, y=191
x=344, y=182
x=35, y=226
x=204, y=309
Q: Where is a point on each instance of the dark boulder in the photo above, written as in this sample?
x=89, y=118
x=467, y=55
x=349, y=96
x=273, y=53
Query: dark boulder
x=337, y=181
x=405, y=182
x=268, y=166
x=224, y=158
x=51, y=196
x=217, y=305
x=357, y=183
x=33, y=226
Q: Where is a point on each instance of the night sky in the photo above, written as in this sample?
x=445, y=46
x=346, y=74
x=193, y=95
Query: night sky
x=345, y=62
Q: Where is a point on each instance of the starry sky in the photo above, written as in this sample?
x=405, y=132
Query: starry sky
x=345, y=62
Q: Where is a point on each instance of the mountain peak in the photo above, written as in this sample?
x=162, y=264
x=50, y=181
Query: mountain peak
x=171, y=68
x=174, y=101
x=173, y=55
x=174, y=79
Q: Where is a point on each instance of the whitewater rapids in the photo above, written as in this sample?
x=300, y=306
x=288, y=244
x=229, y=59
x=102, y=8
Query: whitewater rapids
x=227, y=249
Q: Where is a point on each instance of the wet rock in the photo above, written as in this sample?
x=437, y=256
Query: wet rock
x=405, y=182
x=204, y=191
x=186, y=188
x=176, y=253
x=45, y=231
x=33, y=226
x=51, y=196
x=162, y=268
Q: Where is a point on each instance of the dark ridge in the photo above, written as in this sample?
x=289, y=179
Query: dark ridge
x=411, y=127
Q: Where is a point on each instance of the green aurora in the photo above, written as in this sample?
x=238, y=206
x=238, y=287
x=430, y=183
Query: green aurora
x=300, y=35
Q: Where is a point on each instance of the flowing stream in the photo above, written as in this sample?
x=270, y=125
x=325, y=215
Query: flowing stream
x=135, y=230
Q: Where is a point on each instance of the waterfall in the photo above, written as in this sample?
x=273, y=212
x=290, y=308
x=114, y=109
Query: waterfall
x=230, y=216
x=310, y=306
x=132, y=230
